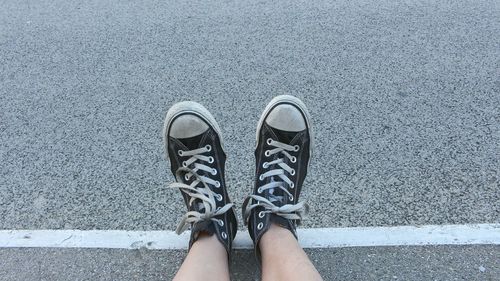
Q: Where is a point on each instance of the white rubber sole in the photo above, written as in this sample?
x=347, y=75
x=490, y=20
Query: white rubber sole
x=299, y=104
x=189, y=107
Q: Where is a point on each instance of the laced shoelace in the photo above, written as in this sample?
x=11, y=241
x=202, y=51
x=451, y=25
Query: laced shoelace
x=199, y=190
x=287, y=211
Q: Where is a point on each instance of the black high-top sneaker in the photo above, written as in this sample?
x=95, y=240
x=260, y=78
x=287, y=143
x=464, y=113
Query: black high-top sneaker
x=282, y=157
x=193, y=142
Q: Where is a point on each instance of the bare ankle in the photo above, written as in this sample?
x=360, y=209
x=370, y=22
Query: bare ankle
x=209, y=241
x=275, y=234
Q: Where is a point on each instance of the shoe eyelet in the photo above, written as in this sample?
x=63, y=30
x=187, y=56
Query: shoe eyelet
x=294, y=159
x=292, y=185
x=292, y=172
x=186, y=177
x=184, y=164
x=296, y=148
x=269, y=141
x=219, y=197
x=260, y=225
x=264, y=165
x=259, y=190
x=261, y=178
x=224, y=235
x=217, y=184
x=208, y=147
x=214, y=172
x=291, y=197
x=221, y=222
x=267, y=153
x=211, y=160
x=261, y=214
x=180, y=152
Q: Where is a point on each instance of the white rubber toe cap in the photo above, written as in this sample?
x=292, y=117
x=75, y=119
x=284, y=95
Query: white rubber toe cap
x=286, y=117
x=187, y=126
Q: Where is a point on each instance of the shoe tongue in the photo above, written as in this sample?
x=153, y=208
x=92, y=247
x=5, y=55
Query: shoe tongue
x=198, y=206
x=193, y=142
x=277, y=200
x=206, y=226
x=276, y=195
x=283, y=136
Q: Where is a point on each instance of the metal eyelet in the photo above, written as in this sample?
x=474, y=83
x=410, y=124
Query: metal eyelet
x=221, y=222
x=294, y=159
x=261, y=214
x=219, y=197
x=264, y=165
x=291, y=197
x=180, y=152
x=184, y=164
x=269, y=141
x=292, y=185
x=261, y=177
x=214, y=172
x=186, y=177
x=292, y=172
x=210, y=159
x=296, y=148
x=259, y=190
x=217, y=184
x=208, y=147
x=260, y=225
x=224, y=235
x=267, y=153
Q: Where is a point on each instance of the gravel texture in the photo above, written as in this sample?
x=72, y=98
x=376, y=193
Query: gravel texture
x=371, y=263
x=404, y=95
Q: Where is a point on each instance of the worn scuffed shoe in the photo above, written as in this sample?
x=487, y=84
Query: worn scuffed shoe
x=193, y=142
x=282, y=157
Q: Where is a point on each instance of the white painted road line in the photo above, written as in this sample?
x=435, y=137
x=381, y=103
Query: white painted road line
x=471, y=234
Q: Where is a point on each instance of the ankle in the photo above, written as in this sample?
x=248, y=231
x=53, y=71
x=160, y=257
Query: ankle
x=275, y=236
x=278, y=230
x=209, y=243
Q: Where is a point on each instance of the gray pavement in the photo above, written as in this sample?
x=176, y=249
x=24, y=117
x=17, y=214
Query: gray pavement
x=404, y=96
x=377, y=263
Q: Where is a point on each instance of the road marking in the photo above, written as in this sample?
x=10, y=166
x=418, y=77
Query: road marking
x=471, y=234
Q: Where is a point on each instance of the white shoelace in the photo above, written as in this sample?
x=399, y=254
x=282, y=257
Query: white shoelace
x=287, y=211
x=203, y=193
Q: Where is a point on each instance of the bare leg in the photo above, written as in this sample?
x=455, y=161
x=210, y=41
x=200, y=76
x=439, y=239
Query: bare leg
x=283, y=258
x=207, y=260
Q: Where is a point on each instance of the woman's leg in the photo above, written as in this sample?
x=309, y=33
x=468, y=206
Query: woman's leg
x=194, y=146
x=207, y=260
x=283, y=258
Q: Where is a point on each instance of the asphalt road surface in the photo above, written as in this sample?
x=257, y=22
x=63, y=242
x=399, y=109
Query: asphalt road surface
x=370, y=263
x=404, y=96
